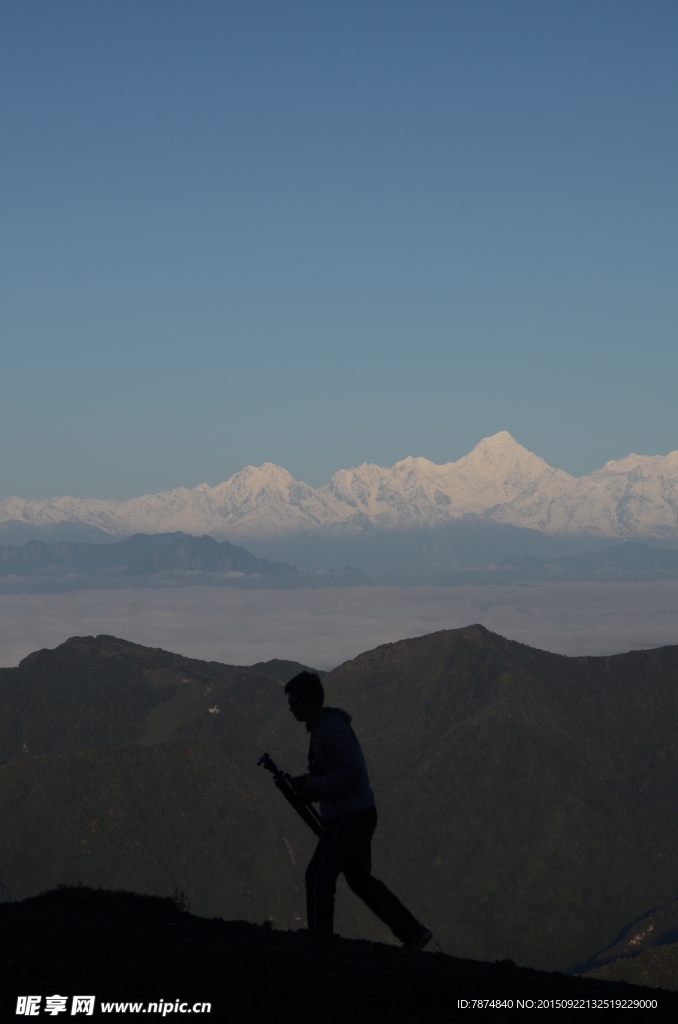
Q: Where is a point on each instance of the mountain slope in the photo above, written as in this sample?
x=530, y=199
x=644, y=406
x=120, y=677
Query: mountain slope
x=526, y=800
x=540, y=790
x=498, y=479
x=635, y=496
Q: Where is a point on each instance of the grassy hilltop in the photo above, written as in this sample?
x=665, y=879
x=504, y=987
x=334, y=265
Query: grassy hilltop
x=526, y=800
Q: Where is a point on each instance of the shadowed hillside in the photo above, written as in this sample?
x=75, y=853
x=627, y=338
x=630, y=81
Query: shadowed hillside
x=128, y=948
x=194, y=816
x=645, y=953
x=106, y=692
x=526, y=800
x=656, y=966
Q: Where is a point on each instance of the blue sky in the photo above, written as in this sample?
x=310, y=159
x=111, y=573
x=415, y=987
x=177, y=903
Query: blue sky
x=326, y=233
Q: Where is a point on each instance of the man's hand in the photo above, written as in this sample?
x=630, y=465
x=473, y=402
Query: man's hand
x=304, y=788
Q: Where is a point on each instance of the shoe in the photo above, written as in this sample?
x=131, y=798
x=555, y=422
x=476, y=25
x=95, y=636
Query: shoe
x=421, y=940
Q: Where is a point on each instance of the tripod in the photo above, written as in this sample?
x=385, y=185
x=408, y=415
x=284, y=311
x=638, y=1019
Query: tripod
x=283, y=780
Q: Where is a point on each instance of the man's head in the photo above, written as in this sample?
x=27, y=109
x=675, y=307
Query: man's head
x=305, y=696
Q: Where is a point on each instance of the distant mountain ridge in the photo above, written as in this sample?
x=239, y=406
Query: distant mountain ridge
x=159, y=559
x=177, y=559
x=499, y=481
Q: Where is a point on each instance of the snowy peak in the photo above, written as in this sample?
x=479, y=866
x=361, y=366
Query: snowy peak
x=419, y=492
x=497, y=470
x=499, y=480
x=501, y=461
x=650, y=464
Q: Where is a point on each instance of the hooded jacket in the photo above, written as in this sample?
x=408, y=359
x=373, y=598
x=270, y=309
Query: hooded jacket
x=337, y=766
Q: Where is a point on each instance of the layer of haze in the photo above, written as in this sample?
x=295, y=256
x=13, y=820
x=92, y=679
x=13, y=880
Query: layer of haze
x=325, y=627
x=318, y=234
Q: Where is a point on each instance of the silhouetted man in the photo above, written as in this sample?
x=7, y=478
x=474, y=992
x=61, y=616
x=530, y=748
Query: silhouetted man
x=337, y=777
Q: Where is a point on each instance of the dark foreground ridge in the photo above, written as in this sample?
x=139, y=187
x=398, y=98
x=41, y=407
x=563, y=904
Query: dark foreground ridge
x=123, y=947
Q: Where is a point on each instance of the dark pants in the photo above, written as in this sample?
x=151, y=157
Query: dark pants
x=346, y=846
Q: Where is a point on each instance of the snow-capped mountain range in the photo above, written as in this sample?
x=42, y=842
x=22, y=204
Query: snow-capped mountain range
x=499, y=480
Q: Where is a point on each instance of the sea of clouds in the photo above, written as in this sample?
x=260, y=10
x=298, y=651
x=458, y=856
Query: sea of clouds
x=325, y=627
